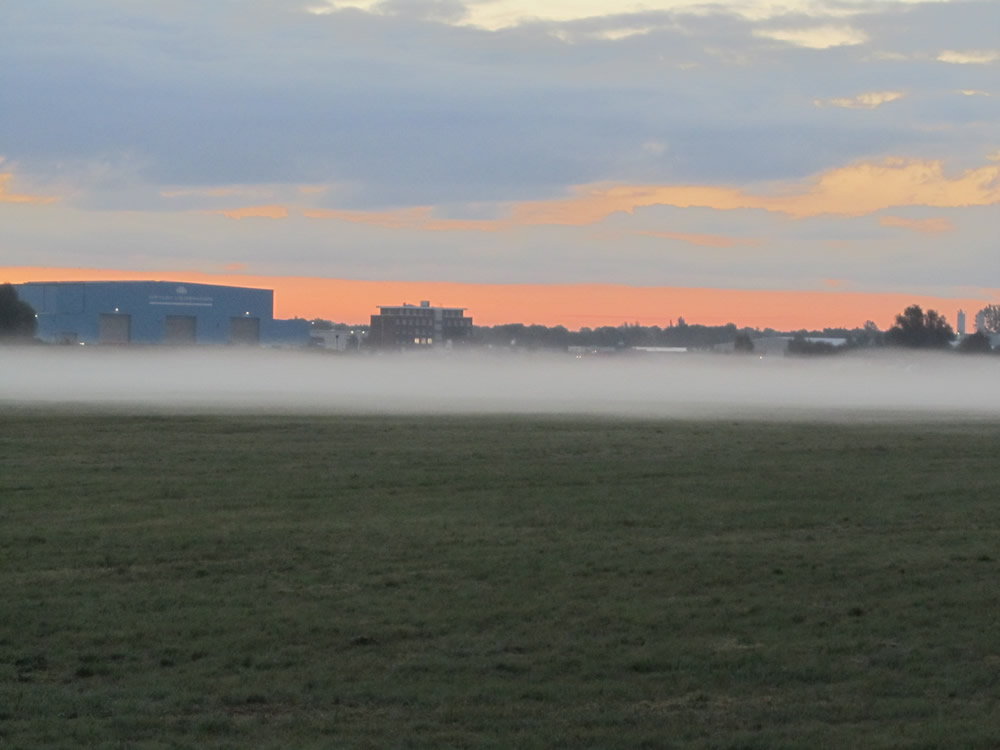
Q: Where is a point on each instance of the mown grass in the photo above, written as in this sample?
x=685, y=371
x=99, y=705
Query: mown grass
x=372, y=582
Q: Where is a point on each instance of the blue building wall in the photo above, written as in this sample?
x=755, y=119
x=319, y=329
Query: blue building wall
x=83, y=311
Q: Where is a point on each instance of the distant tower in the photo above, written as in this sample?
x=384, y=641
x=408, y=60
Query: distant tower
x=980, y=322
x=961, y=322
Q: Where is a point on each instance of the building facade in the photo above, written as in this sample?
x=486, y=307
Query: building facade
x=158, y=312
x=411, y=326
x=337, y=340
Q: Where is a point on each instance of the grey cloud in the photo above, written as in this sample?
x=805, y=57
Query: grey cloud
x=446, y=11
x=927, y=28
x=412, y=112
x=791, y=253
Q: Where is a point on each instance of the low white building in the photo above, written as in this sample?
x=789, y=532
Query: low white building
x=334, y=340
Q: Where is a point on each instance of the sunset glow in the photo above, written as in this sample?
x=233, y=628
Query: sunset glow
x=573, y=306
x=7, y=195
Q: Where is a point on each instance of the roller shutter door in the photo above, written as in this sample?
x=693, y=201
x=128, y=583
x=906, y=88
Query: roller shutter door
x=179, y=330
x=244, y=330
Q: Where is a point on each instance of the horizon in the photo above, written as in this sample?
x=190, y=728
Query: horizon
x=780, y=310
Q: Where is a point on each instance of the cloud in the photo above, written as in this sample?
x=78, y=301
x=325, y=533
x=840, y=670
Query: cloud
x=402, y=105
x=624, y=32
x=867, y=187
x=973, y=92
x=499, y=15
x=613, y=28
x=8, y=197
x=443, y=111
x=869, y=100
x=417, y=217
x=444, y=11
x=791, y=254
x=970, y=57
x=211, y=192
x=850, y=191
x=816, y=37
x=854, y=190
x=924, y=226
x=409, y=218
x=704, y=240
x=253, y=212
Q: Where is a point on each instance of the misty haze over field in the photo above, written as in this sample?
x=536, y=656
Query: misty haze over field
x=881, y=384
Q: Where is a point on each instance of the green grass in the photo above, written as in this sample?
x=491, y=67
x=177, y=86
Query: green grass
x=353, y=582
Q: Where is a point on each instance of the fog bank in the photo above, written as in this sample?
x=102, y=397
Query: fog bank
x=884, y=384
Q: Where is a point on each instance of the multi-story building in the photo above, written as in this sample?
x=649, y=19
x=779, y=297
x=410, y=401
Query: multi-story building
x=407, y=326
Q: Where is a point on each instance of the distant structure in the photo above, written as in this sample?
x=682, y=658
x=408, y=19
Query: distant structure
x=657, y=349
x=336, y=340
x=158, y=312
x=778, y=346
x=410, y=326
x=981, y=322
x=961, y=322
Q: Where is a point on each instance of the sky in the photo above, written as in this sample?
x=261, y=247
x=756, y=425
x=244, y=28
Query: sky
x=792, y=163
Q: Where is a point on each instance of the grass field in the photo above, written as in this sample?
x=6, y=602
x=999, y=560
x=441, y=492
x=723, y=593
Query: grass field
x=381, y=582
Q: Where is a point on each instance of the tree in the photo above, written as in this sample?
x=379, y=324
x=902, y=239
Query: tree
x=991, y=318
x=977, y=343
x=801, y=345
x=17, y=317
x=919, y=330
x=870, y=335
x=743, y=343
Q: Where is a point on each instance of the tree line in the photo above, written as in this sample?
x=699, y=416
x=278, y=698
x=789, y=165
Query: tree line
x=914, y=328
x=681, y=335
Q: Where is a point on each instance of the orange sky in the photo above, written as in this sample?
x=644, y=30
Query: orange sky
x=572, y=305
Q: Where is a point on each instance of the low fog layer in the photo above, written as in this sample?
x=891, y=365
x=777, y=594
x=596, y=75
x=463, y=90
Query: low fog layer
x=883, y=384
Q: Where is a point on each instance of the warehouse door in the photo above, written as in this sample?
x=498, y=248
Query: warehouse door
x=179, y=330
x=114, y=328
x=244, y=330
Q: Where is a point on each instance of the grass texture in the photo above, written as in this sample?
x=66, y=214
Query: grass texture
x=428, y=582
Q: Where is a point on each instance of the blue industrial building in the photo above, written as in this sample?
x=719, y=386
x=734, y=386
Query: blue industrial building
x=158, y=312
